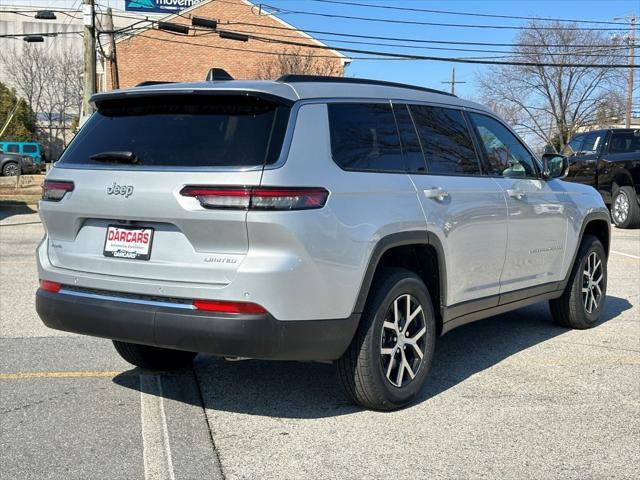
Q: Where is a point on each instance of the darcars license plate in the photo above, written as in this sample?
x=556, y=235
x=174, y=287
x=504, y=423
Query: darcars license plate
x=128, y=242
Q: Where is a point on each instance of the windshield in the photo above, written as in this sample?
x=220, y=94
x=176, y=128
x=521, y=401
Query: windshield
x=194, y=131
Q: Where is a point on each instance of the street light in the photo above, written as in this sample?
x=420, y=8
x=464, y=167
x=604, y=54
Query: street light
x=45, y=15
x=33, y=38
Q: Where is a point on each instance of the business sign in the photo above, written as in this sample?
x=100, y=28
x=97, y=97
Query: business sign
x=159, y=6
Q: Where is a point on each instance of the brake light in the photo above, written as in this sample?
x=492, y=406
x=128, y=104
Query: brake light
x=53, y=287
x=55, y=190
x=258, y=198
x=219, y=306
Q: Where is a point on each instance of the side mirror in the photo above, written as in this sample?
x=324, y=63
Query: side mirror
x=554, y=166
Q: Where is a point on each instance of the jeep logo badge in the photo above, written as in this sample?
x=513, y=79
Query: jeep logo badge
x=115, y=189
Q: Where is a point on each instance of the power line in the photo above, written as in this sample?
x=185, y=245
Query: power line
x=413, y=40
x=431, y=24
x=351, y=35
x=584, y=53
x=470, y=14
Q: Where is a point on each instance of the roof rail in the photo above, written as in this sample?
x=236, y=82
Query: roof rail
x=363, y=81
x=152, y=82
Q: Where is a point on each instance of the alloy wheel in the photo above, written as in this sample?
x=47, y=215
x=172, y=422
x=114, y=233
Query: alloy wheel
x=592, y=278
x=11, y=170
x=403, y=340
x=620, y=208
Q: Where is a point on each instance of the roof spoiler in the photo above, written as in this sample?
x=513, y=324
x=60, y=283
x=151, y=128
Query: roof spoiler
x=152, y=82
x=218, y=74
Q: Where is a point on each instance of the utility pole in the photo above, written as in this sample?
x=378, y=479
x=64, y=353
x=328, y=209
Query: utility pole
x=113, y=61
x=630, y=38
x=453, y=81
x=89, y=79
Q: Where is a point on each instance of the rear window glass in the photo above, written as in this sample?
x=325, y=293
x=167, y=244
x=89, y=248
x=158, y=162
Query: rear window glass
x=364, y=137
x=195, y=131
x=625, y=142
x=446, y=141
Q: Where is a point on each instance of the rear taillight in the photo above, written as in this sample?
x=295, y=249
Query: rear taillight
x=53, y=287
x=258, y=198
x=55, y=190
x=220, y=306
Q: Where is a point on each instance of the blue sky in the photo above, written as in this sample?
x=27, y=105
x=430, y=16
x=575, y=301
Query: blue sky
x=425, y=73
x=428, y=73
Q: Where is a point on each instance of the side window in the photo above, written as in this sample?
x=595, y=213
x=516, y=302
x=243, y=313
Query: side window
x=364, y=137
x=625, y=142
x=13, y=148
x=574, y=146
x=29, y=149
x=506, y=155
x=411, y=149
x=447, y=145
x=592, y=143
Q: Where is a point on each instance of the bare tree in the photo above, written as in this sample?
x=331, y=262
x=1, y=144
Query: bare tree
x=50, y=83
x=551, y=102
x=296, y=60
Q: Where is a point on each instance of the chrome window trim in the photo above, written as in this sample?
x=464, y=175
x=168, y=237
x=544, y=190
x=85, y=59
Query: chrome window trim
x=115, y=298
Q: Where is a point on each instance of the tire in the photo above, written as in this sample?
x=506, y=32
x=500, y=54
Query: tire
x=10, y=169
x=363, y=368
x=153, y=358
x=625, y=211
x=574, y=309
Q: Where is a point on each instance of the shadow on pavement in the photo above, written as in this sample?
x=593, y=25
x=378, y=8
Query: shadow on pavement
x=18, y=208
x=310, y=390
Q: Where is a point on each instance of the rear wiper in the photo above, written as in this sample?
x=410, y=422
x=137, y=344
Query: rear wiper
x=116, y=157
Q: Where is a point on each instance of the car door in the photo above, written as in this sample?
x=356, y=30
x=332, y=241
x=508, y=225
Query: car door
x=465, y=210
x=584, y=165
x=538, y=210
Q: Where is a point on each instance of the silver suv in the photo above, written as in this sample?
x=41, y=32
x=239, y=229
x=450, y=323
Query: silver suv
x=309, y=218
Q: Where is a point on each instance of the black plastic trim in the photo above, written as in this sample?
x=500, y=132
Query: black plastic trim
x=252, y=336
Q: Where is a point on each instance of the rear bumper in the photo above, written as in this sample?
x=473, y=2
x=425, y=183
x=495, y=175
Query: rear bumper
x=252, y=336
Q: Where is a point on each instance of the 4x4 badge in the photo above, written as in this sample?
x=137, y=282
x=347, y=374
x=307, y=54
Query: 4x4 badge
x=115, y=189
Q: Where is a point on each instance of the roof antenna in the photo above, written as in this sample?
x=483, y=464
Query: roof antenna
x=218, y=74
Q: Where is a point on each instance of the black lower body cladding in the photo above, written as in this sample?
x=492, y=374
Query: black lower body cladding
x=252, y=336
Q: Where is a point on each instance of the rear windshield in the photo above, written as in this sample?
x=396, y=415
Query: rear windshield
x=194, y=131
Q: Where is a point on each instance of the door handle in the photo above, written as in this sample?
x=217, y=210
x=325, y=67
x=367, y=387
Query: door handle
x=436, y=193
x=516, y=193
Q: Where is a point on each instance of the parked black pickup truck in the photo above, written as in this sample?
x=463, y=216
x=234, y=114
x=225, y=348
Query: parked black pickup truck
x=609, y=161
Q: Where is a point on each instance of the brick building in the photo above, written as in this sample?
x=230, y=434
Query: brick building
x=153, y=54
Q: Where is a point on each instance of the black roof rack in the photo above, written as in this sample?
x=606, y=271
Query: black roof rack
x=363, y=81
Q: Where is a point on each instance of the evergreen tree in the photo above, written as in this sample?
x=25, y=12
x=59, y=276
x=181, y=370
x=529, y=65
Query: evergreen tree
x=22, y=126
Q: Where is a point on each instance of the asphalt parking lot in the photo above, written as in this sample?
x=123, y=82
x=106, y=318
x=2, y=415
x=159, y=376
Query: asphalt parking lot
x=513, y=396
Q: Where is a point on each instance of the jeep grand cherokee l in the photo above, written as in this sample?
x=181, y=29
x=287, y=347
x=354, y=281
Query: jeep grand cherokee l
x=309, y=218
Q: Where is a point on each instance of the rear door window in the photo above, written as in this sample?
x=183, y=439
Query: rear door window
x=364, y=137
x=411, y=148
x=446, y=141
x=625, y=142
x=194, y=131
x=13, y=148
x=29, y=149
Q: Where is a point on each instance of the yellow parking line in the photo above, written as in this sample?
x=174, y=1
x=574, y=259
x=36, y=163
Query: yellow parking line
x=30, y=375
